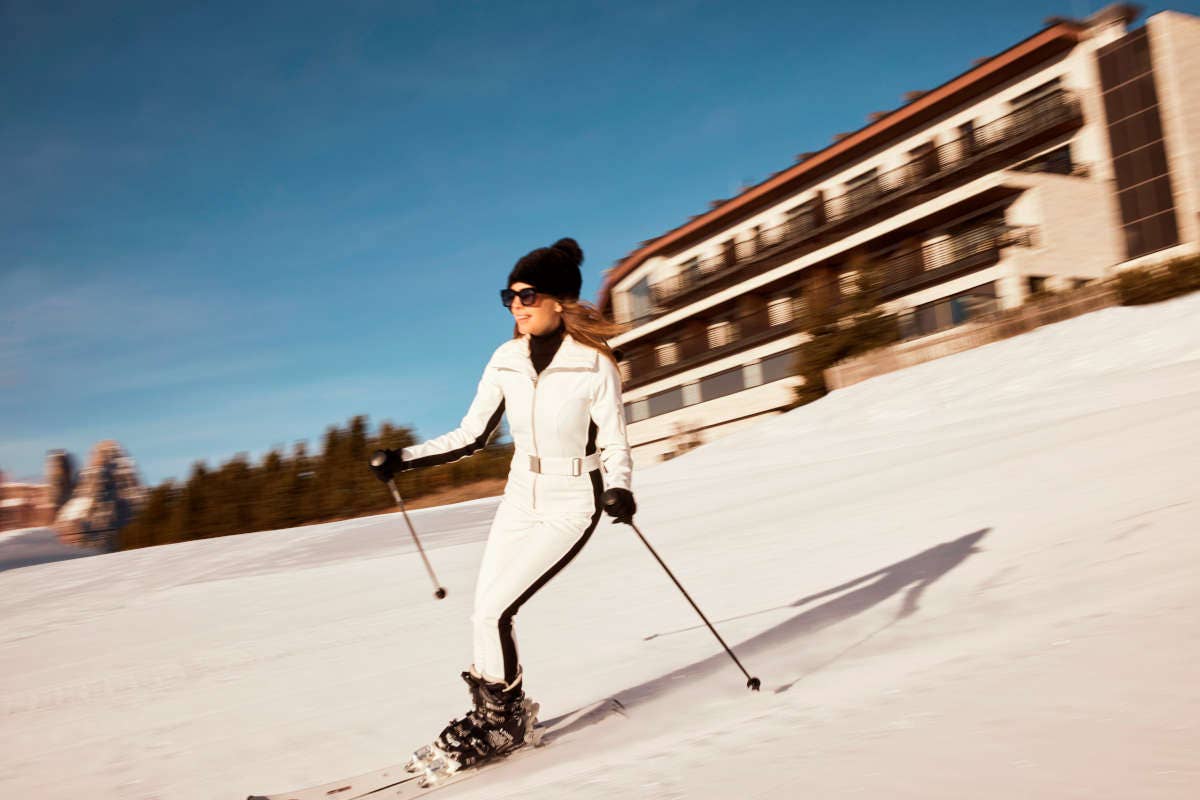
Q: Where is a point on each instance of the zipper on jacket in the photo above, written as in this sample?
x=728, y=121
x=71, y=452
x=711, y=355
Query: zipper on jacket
x=533, y=435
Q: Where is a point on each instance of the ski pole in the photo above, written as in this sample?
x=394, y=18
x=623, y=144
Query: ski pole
x=752, y=683
x=439, y=592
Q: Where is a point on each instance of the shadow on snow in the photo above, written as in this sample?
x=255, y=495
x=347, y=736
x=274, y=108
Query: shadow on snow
x=912, y=576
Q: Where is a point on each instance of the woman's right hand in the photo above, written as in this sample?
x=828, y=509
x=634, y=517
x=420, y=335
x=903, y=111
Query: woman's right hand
x=386, y=463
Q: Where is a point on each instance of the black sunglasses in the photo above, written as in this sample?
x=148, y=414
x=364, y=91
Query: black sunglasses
x=528, y=296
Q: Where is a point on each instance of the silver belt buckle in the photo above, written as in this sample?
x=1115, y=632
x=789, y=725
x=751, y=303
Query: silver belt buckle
x=535, y=464
x=576, y=467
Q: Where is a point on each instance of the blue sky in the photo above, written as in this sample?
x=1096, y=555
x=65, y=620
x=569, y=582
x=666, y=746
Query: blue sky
x=225, y=226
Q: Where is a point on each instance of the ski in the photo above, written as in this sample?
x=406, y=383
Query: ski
x=396, y=783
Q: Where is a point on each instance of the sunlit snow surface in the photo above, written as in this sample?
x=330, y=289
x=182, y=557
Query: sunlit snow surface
x=977, y=578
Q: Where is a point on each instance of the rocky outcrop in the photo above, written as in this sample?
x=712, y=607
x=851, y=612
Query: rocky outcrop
x=108, y=495
x=60, y=476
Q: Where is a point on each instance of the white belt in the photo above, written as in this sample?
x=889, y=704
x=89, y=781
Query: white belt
x=549, y=465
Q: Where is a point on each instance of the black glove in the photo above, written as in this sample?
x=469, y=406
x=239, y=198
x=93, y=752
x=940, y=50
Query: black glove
x=619, y=505
x=386, y=463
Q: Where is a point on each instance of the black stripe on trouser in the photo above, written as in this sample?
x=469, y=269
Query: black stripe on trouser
x=461, y=452
x=507, y=646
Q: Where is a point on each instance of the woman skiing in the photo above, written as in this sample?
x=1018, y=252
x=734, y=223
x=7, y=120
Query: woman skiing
x=558, y=382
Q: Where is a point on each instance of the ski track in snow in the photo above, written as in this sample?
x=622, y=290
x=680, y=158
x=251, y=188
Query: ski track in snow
x=973, y=578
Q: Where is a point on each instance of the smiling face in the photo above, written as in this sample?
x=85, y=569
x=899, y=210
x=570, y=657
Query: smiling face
x=541, y=318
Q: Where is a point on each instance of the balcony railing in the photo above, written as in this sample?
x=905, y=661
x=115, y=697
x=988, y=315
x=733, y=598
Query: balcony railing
x=970, y=250
x=894, y=276
x=930, y=170
x=745, y=331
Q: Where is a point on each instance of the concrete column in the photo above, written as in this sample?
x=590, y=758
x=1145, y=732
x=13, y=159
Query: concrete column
x=752, y=373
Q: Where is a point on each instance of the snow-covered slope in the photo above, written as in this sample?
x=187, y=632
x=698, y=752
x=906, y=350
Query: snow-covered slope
x=975, y=578
x=25, y=547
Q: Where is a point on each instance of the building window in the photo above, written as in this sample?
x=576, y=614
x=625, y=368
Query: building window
x=966, y=139
x=665, y=402
x=720, y=333
x=800, y=306
x=626, y=371
x=923, y=161
x=1056, y=162
x=899, y=263
x=689, y=273
x=780, y=310
x=722, y=384
x=949, y=311
x=848, y=283
x=636, y=411
x=779, y=366
x=970, y=305
x=862, y=189
x=756, y=238
x=666, y=354
x=1036, y=283
x=1031, y=97
x=802, y=218
x=938, y=251
x=639, y=303
x=932, y=317
x=729, y=252
x=691, y=394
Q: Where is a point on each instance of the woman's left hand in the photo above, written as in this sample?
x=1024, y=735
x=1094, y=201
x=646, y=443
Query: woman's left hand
x=619, y=504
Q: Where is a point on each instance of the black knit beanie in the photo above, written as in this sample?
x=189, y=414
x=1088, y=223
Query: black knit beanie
x=552, y=270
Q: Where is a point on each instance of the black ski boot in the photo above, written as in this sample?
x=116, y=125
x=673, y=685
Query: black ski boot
x=508, y=716
x=501, y=721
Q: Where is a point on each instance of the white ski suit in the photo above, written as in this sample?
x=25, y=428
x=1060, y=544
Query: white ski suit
x=566, y=424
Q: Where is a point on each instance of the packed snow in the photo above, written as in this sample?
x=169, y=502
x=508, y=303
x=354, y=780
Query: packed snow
x=973, y=578
x=25, y=547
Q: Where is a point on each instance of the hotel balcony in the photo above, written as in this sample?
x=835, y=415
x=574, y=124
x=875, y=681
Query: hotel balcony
x=988, y=148
x=936, y=262
x=697, y=341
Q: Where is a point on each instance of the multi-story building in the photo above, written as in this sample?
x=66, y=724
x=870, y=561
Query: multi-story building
x=1073, y=153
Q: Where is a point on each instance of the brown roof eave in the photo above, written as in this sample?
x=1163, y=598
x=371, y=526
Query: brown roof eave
x=1037, y=48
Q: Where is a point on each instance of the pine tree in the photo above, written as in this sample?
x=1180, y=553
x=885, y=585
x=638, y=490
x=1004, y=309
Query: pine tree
x=848, y=326
x=354, y=472
x=300, y=497
x=282, y=492
x=325, y=489
x=191, y=519
x=151, y=525
x=272, y=483
x=235, y=499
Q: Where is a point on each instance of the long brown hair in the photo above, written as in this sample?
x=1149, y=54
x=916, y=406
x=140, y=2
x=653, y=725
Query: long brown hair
x=586, y=325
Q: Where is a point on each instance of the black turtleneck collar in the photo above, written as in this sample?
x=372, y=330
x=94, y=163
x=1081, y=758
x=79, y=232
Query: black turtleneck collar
x=542, y=348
